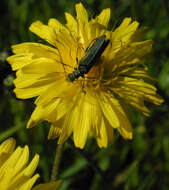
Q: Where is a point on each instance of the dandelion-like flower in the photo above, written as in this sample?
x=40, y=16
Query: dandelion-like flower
x=96, y=103
x=14, y=171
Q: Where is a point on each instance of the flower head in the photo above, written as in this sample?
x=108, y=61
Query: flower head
x=14, y=171
x=94, y=104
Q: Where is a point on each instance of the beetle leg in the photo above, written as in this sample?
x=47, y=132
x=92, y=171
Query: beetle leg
x=83, y=85
x=62, y=63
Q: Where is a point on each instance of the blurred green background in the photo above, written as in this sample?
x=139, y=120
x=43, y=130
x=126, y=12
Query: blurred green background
x=140, y=164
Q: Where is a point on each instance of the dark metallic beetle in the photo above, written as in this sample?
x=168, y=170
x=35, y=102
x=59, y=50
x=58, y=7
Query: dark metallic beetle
x=90, y=58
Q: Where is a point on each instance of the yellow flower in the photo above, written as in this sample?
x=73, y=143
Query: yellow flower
x=95, y=104
x=14, y=172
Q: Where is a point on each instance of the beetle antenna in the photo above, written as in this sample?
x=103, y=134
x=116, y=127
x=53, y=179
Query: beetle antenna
x=62, y=63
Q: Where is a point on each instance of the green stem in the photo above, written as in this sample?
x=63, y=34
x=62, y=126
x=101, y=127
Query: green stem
x=56, y=163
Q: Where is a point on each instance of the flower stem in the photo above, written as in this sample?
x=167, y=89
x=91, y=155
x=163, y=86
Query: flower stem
x=56, y=163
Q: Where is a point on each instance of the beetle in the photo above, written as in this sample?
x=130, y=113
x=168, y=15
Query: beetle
x=92, y=54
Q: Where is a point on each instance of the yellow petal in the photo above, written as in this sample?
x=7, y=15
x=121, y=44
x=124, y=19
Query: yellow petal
x=22, y=161
x=6, y=179
x=104, y=17
x=42, y=65
x=43, y=112
x=7, y=146
x=63, y=107
x=37, y=79
x=71, y=24
x=139, y=73
x=6, y=149
x=20, y=60
x=83, y=25
x=82, y=122
x=125, y=31
x=108, y=111
x=102, y=140
x=29, y=183
x=61, y=86
x=30, y=169
x=67, y=47
x=129, y=53
x=125, y=127
x=11, y=161
x=24, y=176
x=37, y=49
x=56, y=25
x=67, y=125
x=54, y=131
x=43, y=31
x=33, y=91
x=96, y=119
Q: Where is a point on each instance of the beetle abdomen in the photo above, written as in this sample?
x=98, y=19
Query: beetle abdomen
x=90, y=58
